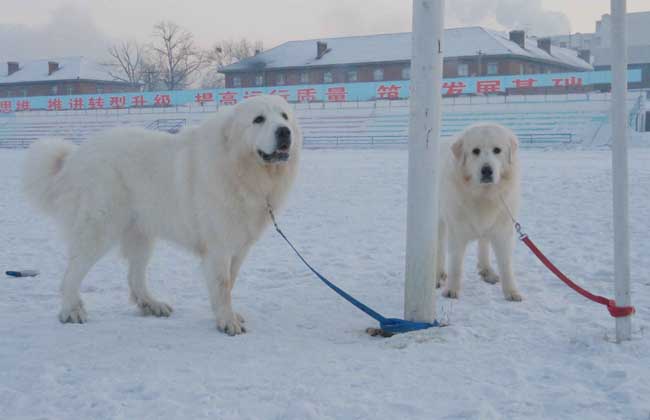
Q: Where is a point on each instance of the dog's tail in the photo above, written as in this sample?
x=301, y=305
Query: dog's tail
x=42, y=172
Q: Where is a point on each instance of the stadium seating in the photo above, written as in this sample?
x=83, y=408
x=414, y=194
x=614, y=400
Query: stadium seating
x=370, y=124
x=380, y=127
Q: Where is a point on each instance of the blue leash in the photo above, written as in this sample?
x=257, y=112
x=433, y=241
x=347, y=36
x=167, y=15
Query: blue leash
x=387, y=325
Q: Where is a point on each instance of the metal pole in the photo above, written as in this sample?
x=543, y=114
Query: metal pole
x=424, y=130
x=620, y=166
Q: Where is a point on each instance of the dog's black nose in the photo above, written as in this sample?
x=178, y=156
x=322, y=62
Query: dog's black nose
x=486, y=171
x=283, y=137
x=487, y=174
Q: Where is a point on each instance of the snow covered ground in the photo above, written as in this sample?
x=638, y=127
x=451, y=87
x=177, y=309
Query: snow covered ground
x=306, y=355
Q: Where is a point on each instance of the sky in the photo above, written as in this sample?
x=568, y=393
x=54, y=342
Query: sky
x=50, y=28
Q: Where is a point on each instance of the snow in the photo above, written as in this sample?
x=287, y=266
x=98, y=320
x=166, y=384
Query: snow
x=306, y=355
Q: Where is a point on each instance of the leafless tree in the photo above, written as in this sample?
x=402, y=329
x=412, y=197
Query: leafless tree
x=126, y=61
x=151, y=78
x=224, y=53
x=177, y=57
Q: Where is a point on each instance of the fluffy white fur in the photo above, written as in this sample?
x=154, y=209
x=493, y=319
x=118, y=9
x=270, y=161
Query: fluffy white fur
x=471, y=207
x=205, y=189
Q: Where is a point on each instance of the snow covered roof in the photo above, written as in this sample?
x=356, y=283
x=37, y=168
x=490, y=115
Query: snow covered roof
x=459, y=42
x=70, y=68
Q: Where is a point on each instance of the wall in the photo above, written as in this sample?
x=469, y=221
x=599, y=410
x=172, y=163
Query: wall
x=344, y=92
x=73, y=87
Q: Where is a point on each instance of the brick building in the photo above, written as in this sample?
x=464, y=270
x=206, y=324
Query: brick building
x=471, y=51
x=58, y=76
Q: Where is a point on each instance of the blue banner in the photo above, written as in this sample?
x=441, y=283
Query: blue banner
x=342, y=92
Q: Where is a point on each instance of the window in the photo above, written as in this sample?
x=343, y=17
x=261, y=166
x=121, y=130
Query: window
x=463, y=69
x=55, y=90
x=69, y=90
x=492, y=68
x=279, y=80
x=100, y=89
x=406, y=73
x=259, y=80
x=236, y=81
x=378, y=75
x=327, y=77
x=304, y=77
x=353, y=76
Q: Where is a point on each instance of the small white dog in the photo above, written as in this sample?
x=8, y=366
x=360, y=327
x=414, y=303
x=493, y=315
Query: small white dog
x=206, y=189
x=481, y=171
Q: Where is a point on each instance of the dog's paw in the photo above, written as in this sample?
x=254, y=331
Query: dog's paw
x=513, y=295
x=153, y=307
x=488, y=275
x=441, y=279
x=75, y=315
x=231, y=324
x=451, y=293
x=240, y=318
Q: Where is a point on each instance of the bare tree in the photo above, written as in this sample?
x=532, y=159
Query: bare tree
x=224, y=53
x=177, y=58
x=151, y=76
x=127, y=61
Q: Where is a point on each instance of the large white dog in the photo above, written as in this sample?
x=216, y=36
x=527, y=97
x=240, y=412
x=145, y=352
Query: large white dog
x=481, y=171
x=206, y=189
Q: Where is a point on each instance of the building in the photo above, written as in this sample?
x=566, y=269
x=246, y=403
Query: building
x=577, y=41
x=597, y=45
x=58, y=76
x=471, y=51
x=638, y=45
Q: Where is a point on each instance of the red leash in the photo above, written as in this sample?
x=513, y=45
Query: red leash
x=615, y=311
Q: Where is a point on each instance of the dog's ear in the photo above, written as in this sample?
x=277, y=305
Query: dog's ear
x=514, y=145
x=227, y=126
x=457, y=150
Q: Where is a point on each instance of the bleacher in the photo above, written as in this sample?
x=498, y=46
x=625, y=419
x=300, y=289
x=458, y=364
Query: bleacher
x=21, y=131
x=375, y=127
x=369, y=124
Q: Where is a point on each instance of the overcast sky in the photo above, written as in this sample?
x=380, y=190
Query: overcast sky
x=48, y=28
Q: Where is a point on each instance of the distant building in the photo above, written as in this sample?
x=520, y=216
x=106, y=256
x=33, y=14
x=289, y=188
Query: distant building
x=577, y=41
x=597, y=45
x=471, y=51
x=58, y=76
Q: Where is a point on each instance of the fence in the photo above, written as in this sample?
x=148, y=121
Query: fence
x=170, y=125
x=316, y=142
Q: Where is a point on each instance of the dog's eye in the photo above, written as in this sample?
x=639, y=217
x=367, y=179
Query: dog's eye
x=285, y=116
x=476, y=151
x=259, y=119
x=496, y=150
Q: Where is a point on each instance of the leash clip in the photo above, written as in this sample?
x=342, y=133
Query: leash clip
x=520, y=231
x=270, y=210
x=518, y=228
